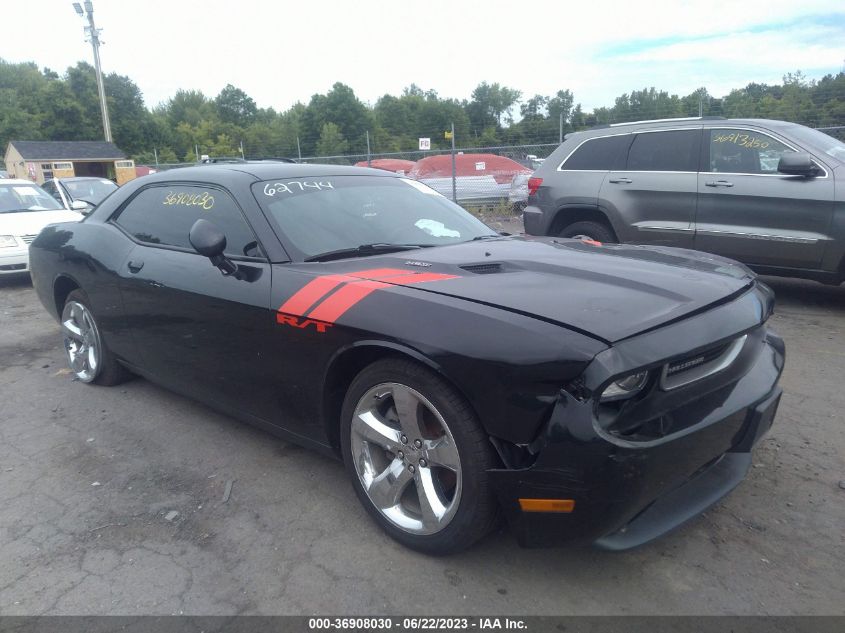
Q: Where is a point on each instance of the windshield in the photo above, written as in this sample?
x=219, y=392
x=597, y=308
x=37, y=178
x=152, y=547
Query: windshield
x=826, y=143
x=92, y=191
x=16, y=197
x=331, y=213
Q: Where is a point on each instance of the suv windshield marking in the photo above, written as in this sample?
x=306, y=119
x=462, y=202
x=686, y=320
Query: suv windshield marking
x=772, y=135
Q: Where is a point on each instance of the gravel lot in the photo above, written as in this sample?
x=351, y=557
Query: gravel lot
x=92, y=479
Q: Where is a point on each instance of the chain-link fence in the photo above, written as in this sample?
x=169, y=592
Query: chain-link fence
x=488, y=180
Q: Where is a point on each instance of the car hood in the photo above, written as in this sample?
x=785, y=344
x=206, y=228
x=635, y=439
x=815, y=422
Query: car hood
x=610, y=292
x=31, y=222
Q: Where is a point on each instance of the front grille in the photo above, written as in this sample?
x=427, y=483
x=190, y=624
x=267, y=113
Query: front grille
x=684, y=364
x=697, y=366
x=27, y=239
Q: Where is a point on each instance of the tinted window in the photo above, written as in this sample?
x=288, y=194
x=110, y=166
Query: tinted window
x=329, y=213
x=598, y=153
x=675, y=150
x=744, y=152
x=165, y=215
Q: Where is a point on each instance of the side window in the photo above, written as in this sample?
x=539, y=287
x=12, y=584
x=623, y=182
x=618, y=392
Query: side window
x=598, y=154
x=744, y=151
x=672, y=150
x=165, y=215
x=50, y=187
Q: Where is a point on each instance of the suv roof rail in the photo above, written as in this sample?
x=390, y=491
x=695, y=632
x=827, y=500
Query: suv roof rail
x=685, y=118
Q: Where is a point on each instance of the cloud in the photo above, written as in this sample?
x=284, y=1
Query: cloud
x=280, y=53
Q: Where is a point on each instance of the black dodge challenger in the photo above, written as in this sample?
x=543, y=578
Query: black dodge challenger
x=588, y=393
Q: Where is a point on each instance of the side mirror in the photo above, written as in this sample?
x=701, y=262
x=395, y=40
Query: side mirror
x=207, y=239
x=210, y=241
x=80, y=205
x=797, y=164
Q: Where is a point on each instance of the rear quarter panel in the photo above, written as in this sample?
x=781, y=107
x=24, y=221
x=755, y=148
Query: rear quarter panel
x=89, y=254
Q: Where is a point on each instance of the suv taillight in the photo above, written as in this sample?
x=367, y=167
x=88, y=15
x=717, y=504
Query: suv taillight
x=534, y=185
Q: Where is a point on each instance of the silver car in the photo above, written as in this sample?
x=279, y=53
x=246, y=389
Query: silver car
x=759, y=191
x=81, y=193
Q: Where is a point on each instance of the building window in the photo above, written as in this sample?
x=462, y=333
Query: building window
x=47, y=171
x=124, y=163
x=62, y=166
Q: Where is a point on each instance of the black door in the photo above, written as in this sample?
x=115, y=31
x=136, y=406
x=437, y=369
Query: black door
x=198, y=332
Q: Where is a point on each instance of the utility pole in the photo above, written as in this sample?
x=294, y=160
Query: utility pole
x=369, y=158
x=454, y=174
x=92, y=33
x=560, y=128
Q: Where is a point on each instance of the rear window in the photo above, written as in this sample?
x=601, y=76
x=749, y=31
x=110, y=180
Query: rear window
x=598, y=154
x=675, y=150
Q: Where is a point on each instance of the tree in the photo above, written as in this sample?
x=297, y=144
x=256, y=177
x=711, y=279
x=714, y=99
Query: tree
x=189, y=106
x=331, y=141
x=489, y=103
x=130, y=120
x=235, y=106
x=534, y=108
x=341, y=107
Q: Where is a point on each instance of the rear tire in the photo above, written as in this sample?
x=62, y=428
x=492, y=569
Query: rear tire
x=418, y=457
x=88, y=356
x=589, y=230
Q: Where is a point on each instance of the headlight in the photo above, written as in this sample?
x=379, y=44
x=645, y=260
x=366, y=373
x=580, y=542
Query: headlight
x=625, y=387
x=7, y=240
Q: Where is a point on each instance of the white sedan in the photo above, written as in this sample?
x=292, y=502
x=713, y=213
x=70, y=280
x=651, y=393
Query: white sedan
x=25, y=209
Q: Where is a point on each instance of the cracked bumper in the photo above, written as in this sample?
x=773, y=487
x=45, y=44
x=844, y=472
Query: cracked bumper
x=627, y=494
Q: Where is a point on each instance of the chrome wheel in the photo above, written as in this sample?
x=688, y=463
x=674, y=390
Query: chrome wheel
x=406, y=458
x=82, y=341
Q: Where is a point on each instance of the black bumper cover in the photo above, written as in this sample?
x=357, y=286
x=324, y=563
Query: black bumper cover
x=628, y=496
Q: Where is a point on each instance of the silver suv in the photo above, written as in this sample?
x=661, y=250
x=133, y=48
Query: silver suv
x=768, y=193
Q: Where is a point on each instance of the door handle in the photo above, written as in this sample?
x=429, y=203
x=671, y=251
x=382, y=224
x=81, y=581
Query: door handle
x=623, y=180
x=718, y=183
x=135, y=266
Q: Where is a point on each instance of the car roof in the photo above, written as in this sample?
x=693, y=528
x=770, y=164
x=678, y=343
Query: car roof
x=264, y=171
x=19, y=181
x=80, y=178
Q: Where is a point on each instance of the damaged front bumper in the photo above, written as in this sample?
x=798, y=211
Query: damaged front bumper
x=629, y=490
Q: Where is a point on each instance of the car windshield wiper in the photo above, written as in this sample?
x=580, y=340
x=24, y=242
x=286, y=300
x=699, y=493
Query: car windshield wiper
x=485, y=237
x=363, y=250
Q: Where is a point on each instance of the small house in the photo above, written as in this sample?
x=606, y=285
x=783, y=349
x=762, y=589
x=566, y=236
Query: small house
x=42, y=160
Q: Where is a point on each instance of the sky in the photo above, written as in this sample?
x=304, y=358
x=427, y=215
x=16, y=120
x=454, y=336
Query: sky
x=281, y=52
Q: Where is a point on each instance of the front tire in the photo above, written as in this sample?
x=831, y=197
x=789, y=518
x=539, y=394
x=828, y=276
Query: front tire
x=589, y=230
x=88, y=356
x=417, y=457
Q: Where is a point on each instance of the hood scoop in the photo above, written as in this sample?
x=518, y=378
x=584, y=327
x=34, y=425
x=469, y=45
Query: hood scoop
x=484, y=269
